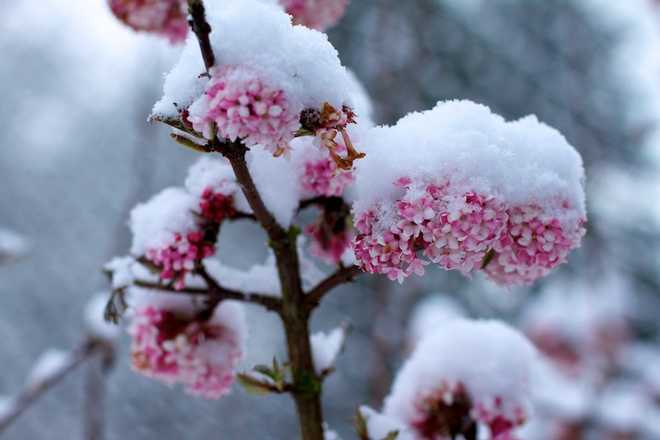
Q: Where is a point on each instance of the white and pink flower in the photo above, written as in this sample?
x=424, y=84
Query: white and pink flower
x=240, y=104
x=163, y=17
x=200, y=355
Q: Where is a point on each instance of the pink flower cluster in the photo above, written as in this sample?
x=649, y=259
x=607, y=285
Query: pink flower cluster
x=241, y=105
x=179, y=257
x=216, y=206
x=534, y=244
x=328, y=246
x=162, y=17
x=450, y=411
x=322, y=177
x=202, y=356
x=315, y=14
x=456, y=229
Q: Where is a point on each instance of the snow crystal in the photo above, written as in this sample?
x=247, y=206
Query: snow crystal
x=431, y=314
x=49, y=364
x=94, y=320
x=326, y=347
x=295, y=59
x=487, y=360
x=521, y=162
x=155, y=223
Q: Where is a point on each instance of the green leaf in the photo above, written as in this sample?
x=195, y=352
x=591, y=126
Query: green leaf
x=252, y=385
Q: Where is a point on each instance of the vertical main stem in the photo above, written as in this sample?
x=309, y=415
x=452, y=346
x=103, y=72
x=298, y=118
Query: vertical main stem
x=295, y=314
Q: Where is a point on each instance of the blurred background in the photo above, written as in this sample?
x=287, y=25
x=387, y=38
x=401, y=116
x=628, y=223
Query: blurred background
x=76, y=154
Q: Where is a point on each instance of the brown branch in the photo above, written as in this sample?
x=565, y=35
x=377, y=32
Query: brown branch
x=202, y=30
x=216, y=292
x=341, y=276
x=34, y=391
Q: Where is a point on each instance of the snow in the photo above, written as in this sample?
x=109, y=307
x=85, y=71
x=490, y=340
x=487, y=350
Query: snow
x=12, y=244
x=276, y=181
x=49, y=364
x=431, y=314
x=579, y=311
x=623, y=407
x=261, y=278
x=121, y=271
x=379, y=425
x=326, y=347
x=490, y=359
x=520, y=162
x=6, y=406
x=155, y=223
x=553, y=392
x=298, y=60
x=94, y=320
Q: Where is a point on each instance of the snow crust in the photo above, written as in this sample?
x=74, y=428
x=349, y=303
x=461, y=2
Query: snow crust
x=490, y=359
x=520, y=162
x=298, y=60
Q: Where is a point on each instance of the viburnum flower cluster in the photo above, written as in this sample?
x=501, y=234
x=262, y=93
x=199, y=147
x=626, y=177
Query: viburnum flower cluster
x=168, y=18
x=265, y=98
x=178, y=228
x=174, y=348
x=468, y=378
x=162, y=17
x=460, y=187
x=316, y=14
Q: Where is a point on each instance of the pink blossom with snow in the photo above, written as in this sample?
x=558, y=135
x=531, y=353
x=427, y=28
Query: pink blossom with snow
x=449, y=227
x=316, y=14
x=322, y=177
x=216, y=206
x=163, y=17
x=533, y=244
x=329, y=246
x=467, y=376
x=201, y=356
x=242, y=105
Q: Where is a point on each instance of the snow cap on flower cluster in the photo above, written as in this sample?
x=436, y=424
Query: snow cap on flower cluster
x=431, y=315
x=326, y=347
x=163, y=17
x=170, y=346
x=260, y=84
x=483, y=366
x=458, y=181
x=315, y=14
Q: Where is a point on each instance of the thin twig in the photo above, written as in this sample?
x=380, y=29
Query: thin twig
x=34, y=391
x=202, y=30
x=341, y=276
x=216, y=291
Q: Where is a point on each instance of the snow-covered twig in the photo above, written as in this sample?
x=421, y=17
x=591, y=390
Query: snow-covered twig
x=49, y=371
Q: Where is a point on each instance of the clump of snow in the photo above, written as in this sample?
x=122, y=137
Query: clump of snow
x=379, y=426
x=96, y=325
x=297, y=60
x=431, y=315
x=49, y=364
x=214, y=173
x=520, y=162
x=7, y=405
x=121, y=271
x=276, y=182
x=554, y=392
x=484, y=365
x=11, y=244
x=624, y=407
x=326, y=347
x=154, y=224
